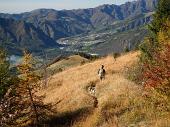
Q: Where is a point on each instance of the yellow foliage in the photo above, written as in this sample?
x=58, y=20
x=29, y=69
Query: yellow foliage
x=164, y=34
x=27, y=87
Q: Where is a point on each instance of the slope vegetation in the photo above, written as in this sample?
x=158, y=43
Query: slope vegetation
x=67, y=62
x=77, y=93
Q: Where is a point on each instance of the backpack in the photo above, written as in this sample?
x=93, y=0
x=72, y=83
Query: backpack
x=101, y=72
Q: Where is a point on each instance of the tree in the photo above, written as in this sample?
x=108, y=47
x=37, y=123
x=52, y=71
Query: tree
x=8, y=98
x=19, y=104
x=159, y=18
x=45, y=71
x=34, y=112
x=161, y=15
x=28, y=85
x=5, y=78
x=157, y=70
x=155, y=51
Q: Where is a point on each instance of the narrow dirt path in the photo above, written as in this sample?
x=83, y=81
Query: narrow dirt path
x=91, y=90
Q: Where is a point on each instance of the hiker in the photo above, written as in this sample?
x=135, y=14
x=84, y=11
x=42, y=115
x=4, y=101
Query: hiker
x=101, y=72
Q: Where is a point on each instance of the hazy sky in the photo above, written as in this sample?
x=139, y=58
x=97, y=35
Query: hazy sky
x=16, y=6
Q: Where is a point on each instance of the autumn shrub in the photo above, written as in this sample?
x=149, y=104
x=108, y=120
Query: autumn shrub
x=134, y=73
x=115, y=55
x=156, y=64
x=155, y=49
x=146, y=110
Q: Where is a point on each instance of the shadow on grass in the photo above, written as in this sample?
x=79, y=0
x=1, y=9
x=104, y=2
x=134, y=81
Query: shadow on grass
x=66, y=119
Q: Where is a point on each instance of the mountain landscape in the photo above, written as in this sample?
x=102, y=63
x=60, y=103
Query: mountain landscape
x=107, y=66
x=17, y=34
x=76, y=30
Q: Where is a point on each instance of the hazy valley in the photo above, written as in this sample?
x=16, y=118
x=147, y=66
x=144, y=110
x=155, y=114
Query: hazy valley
x=90, y=30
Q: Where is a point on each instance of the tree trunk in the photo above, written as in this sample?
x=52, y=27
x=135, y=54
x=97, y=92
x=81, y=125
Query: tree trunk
x=45, y=77
x=33, y=105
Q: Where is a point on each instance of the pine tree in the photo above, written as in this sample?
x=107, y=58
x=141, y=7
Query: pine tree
x=162, y=14
x=151, y=44
x=33, y=112
x=156, y=49
x=8, y=97
x=5, y=77
x=27, y=88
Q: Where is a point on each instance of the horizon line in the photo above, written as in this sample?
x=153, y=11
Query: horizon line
x=27, y=11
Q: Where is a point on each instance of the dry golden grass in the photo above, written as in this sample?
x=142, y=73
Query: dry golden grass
x=69, y=86
x=120, y=101
x=71, y=61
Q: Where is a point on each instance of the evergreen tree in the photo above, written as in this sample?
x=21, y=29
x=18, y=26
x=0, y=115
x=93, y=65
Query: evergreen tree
x=19, y=104
x=28, y=85
x=151, y=44
x=34, y=111
x=5, y=77
x=162, y=14
x=8, y=98
x=156, y=49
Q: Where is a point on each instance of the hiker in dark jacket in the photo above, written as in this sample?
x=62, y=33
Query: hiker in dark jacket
x=102, y=72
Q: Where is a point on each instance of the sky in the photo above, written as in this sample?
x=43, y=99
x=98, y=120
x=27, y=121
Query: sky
x=18, y=6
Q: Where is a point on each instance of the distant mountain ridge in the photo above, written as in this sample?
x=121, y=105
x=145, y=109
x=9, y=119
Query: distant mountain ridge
x=50, y=25
x=15, y=34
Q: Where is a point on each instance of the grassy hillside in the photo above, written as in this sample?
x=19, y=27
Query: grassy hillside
x=115, y=101
x=68, y=62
